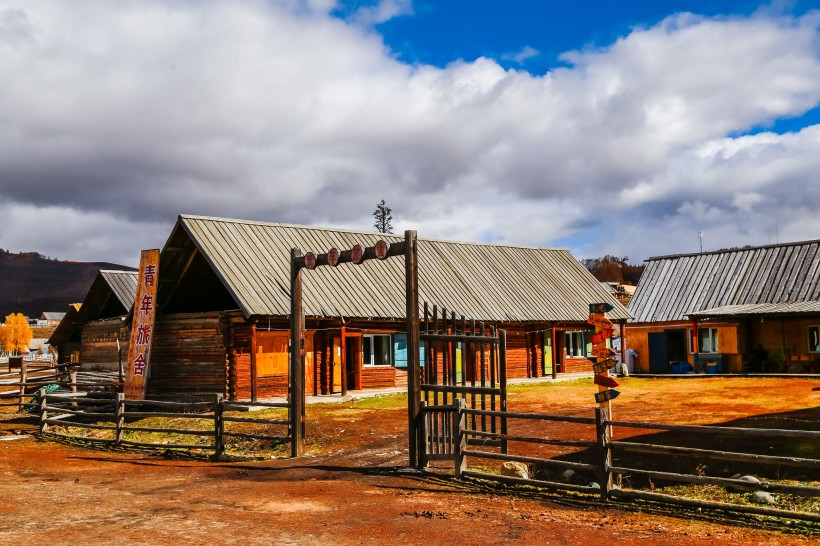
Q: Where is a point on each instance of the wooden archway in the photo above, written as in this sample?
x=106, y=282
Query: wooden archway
x=296, y=369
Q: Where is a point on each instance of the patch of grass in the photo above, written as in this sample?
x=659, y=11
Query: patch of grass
x=716, y=493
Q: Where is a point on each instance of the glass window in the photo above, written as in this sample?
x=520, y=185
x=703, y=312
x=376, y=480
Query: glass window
x=707, y=341
x=578, y=343
x=814, y=339
x=377, y=350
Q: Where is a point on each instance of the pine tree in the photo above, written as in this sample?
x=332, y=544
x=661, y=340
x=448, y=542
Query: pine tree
x=384, y=220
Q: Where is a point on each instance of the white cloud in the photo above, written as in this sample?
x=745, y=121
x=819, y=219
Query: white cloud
x=125, y=115
x=526, y=53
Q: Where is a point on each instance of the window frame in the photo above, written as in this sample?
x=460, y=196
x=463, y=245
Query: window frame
x=370, y=339
x=585, y=342
x=713, y=337
x=813, y=349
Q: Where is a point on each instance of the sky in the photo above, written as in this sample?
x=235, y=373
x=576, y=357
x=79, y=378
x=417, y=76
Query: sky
x=623, y=128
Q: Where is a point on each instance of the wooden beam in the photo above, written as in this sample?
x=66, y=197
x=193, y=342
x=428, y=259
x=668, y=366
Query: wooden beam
x=411, y=274
x=296, y=369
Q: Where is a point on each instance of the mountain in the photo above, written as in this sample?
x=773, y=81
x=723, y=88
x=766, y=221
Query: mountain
x=30, y=283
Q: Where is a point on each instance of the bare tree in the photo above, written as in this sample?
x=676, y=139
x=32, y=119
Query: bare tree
x=384, y=220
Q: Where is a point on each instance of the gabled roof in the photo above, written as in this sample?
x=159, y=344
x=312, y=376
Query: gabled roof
x=67, y=326
x=123, y=285
x=111, y=295
x=480, y=281
x=673, y=287
x=51, y=315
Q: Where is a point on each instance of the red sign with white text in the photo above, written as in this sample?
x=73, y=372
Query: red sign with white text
x=142, y=326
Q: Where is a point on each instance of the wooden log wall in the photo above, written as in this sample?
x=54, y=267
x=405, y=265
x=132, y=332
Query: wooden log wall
x=378, y=377
x=98, y=348
x=517, y=348
x=188, y=354
x=577, y=365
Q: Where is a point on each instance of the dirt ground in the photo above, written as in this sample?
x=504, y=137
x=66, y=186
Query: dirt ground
x=353, y=486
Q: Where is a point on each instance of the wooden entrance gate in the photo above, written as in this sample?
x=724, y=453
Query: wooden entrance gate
x=464, y=367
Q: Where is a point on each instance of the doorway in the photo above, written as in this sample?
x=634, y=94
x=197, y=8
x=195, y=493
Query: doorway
x=353, y=361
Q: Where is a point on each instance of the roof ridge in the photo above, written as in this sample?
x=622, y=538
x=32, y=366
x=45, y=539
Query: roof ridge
x=358, y=232
x=730, y=250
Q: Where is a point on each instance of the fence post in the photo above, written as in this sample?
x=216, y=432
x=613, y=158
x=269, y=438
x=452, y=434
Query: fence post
x=119, y=417
x=23, y=381
x=421, y=433
x=219, y=426
x=459, y=437
x=604, y=452
x=72, y=383
x=43, y=414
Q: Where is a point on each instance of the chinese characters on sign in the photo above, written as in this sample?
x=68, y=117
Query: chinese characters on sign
x=603, y=331
x=139, y=352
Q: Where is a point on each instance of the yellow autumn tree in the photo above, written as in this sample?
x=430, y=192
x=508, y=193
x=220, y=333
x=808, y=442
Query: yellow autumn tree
x=15, y=334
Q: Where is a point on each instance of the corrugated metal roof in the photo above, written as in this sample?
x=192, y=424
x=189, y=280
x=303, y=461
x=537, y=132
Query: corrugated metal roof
x=758, y=309
x=123, y=284
x=52, y=315
x=673, y=287
x=480, y=281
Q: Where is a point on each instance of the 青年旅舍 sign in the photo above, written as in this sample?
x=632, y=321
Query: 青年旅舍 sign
x=142, y=326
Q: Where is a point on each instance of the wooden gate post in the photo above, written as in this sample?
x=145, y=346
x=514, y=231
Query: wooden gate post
x=411, y=272
x=296, y=370
x=422, y=435
x=502, y=373
x=604, y=452
x=459, y=436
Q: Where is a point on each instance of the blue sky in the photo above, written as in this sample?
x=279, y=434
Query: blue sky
x=619, y=128
x=441, y=32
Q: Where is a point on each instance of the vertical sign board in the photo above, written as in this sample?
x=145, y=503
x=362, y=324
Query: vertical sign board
x=142, y=326
x=603, y=331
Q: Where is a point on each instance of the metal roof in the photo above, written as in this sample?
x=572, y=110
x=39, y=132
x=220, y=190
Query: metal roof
x=759, y=309
x=97, y=303
x=123, y=284
x=52, y=315
x=480, y=281
x=673, y=287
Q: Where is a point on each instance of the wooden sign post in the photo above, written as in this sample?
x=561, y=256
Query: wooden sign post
x=604, y=355
x=142, y=326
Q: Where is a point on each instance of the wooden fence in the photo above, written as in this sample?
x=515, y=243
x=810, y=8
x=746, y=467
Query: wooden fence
x=763, y=436
x=113, y=420
x=19, y=386
x=593, y=457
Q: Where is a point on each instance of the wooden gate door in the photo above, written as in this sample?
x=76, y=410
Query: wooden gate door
x=462, y=360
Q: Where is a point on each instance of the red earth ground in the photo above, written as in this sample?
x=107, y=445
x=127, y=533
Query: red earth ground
x=353, y=486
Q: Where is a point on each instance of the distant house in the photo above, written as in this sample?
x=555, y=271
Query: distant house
x=223, y=308
x=50, y=318
x=621, y=292
x=91, y=332
x=749, y=309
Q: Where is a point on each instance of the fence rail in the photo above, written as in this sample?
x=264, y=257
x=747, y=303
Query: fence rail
x=601, y=449
x=19, y=387
x=711, y=454
x=116, y=415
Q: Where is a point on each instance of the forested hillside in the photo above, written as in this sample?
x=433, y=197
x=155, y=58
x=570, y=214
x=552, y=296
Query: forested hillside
x=31, y=283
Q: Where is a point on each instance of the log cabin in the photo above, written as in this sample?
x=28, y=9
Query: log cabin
x=751, y=309
x=95, y=331
x=223, y=305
